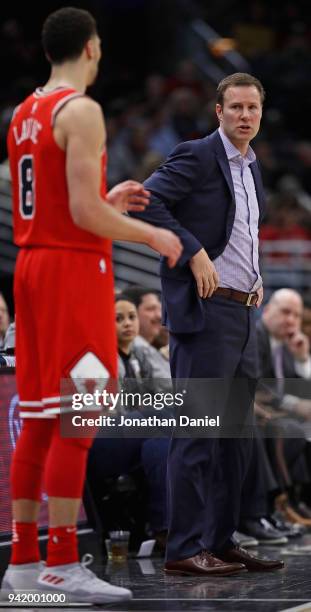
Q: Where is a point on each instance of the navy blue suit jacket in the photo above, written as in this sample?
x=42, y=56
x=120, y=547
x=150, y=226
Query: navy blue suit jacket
x=193, y=195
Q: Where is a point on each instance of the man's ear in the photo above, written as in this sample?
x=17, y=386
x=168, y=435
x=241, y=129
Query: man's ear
x=219, y=112
x=89, y=48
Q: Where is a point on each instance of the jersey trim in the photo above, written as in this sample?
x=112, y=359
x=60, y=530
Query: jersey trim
x=41, y=93
x=31, y=404
x=36, y=415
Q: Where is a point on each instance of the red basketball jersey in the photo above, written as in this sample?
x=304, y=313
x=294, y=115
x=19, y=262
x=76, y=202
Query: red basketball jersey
x=38, y=168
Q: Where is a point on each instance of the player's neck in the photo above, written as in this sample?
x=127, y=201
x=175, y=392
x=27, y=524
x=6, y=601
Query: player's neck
x=64, y=76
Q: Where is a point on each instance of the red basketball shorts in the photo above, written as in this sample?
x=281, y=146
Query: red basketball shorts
x=65, y=324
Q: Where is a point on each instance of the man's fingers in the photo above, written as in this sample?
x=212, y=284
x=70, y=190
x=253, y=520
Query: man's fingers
x=175, y=250
x=138, y=199
x=200, y=287
x=131, y=187
x=211, y=288
x=136, y=207
x=205, y=286
x=172, y=260
x=216, y=279
x=212, y=282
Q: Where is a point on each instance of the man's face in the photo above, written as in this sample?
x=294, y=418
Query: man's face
x=240, y=114
x=283, y=317
x=149, y=314
x=4, y=317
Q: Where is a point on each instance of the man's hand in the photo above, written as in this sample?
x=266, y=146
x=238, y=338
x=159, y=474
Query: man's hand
x=267, y=413
x=260, y=297
x=128, y=196
x=204, y=273
x=299, y=346
x=303, y=409
x=167, y=243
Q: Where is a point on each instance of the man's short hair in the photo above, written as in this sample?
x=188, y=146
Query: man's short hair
x=238, y=79
x=135, y=294
x=65, y=32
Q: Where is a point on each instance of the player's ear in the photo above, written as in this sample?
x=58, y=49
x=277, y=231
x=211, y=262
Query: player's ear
x=90, y=49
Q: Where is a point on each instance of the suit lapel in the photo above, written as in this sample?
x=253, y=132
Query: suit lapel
x=225, y=168
x=223, y=161
x=258, y=186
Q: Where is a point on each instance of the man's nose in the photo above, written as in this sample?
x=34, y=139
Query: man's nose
x=291, y=319
x=245, y=113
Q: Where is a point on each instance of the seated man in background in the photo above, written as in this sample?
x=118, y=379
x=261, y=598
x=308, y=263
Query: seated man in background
x=285, y=366
x=284, y=350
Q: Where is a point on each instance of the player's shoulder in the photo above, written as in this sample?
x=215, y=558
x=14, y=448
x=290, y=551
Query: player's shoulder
x=81, y=114
x=81, y=111
x=80, y=105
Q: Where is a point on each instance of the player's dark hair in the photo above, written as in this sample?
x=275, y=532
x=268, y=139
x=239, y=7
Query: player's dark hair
x=236, y=80
x=65, y=32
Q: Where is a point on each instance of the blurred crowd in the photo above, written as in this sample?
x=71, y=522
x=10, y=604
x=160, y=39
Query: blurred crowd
x=176, y=101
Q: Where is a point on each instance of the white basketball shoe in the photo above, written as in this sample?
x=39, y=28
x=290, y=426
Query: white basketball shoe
x=21, y=577
x=80, y=584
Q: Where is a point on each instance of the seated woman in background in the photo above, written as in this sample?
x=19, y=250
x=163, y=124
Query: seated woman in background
x=132, y=368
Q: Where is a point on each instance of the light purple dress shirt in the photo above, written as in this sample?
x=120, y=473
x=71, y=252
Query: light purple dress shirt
x=238, y=265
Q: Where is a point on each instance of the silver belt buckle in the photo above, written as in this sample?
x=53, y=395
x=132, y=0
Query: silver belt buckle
x=249, y=299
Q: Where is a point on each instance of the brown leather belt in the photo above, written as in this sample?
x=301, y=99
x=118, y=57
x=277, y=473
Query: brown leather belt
x=249, y=299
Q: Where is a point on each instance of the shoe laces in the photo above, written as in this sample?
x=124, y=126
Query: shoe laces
x=205, y=553
x=87, y=560
x=81, y=569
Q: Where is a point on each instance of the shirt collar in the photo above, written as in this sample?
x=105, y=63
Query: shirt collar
x=275, y=343
x=232, y=152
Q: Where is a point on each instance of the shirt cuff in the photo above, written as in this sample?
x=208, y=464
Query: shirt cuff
x=303, y=368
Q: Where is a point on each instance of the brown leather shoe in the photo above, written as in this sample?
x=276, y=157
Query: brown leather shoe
x=252, y=563
x=203, y=564
x=304, y=510
x=289, y=513
x=293, y=516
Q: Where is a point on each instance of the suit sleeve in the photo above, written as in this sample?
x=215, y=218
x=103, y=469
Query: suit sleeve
x=170, y=183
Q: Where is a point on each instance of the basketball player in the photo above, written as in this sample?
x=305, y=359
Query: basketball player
x=64, y=296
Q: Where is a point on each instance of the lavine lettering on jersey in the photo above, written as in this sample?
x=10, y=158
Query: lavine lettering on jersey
x=29, y=131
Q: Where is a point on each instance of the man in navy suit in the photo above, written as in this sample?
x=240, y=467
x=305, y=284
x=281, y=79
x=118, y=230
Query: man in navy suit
x=209, y=192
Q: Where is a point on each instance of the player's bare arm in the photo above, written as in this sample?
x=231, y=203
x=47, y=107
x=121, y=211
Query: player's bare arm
x=79, y=129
